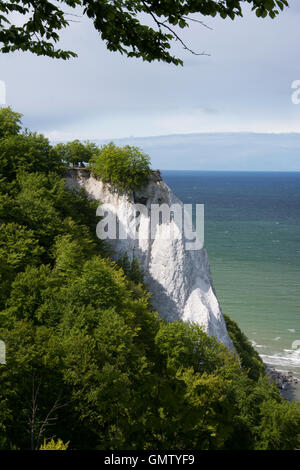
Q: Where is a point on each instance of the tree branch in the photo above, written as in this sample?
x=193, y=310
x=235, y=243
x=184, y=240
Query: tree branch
x=161, y=24
x=197, y=21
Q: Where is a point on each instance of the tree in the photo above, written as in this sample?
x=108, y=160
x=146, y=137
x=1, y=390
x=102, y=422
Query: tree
x=76, y=153
x=31, y=386
x=38, y=427
x=18, y=247
x=127, y=168
x=31, y=152
x=279, y=429
x=10, y=122
x=120, y=23
x=249, y=357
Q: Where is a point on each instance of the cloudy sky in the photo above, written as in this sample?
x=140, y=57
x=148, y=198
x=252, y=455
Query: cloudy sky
x=231, y=110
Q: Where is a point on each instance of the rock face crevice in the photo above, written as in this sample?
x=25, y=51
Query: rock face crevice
x=179, y=280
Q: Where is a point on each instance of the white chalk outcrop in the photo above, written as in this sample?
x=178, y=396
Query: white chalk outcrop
x=179, y=280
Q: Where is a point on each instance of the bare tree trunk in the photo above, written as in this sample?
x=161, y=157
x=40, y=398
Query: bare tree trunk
x=37, y=428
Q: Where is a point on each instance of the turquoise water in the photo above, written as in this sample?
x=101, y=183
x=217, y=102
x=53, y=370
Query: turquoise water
x=252, y=235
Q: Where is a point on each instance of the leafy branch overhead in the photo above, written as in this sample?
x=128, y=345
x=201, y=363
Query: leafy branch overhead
x=122, y=24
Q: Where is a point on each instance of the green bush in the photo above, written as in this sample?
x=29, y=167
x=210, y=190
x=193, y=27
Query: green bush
x=54, y=445
x=250, y=358
x=127, y=167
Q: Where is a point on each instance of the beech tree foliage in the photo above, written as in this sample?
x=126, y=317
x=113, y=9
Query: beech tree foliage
x=127, y=168
x=89, y=363
x=76, y=153
x=122, y=24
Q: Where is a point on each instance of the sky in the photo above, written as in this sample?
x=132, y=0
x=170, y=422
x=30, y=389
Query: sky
x=231, y=110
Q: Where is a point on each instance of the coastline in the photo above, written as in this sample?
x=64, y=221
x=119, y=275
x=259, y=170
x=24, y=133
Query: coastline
x=288, y=382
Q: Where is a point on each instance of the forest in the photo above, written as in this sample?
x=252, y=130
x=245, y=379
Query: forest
x=89, y=363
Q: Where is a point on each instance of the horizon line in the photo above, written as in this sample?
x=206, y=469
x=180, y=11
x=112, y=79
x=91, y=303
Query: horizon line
x=236, y=171
x=187, y=134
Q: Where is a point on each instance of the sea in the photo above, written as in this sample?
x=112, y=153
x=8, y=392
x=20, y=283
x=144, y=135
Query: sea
x=252, y=236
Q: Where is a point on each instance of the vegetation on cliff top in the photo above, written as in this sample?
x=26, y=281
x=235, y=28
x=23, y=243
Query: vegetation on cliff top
x=84, y=346
x=126, y=168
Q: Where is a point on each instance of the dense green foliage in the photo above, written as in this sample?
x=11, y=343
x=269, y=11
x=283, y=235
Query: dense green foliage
x=76, y=153
x=10, y=122
x=250, y=358
x=85, y=348
x=122, y=24
x=127, y=168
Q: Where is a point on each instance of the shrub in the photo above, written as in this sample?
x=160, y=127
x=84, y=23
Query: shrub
x=127, y=167
x=250, y=358
x=54, y=445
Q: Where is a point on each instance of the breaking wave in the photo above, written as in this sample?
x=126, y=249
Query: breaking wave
x=289, y=358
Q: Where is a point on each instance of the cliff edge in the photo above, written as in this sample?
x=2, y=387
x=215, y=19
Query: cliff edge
x=179, y=280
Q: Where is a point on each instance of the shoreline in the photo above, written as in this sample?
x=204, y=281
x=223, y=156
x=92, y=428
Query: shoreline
x=288, y=382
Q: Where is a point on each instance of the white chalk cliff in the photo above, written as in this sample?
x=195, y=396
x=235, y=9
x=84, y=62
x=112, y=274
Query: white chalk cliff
x=179, y=279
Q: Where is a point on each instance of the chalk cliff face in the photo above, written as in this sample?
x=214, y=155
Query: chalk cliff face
x=179, y=279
